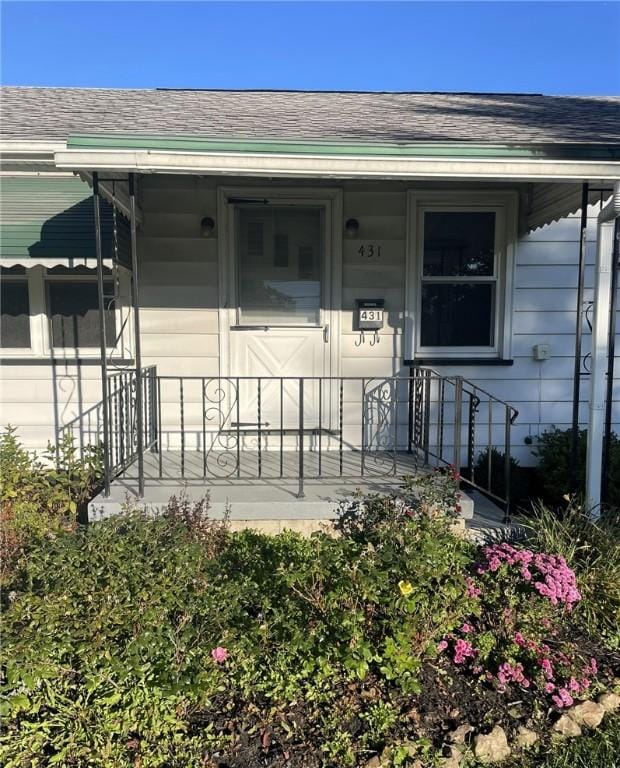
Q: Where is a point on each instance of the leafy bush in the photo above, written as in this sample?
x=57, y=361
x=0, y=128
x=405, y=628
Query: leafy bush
x=527, y=650
x=40, y=497
x=554, y=466
x=519, y=484
x=170, y=641
x=178, y=606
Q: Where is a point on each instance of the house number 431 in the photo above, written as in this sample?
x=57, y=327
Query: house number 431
x=370, y=251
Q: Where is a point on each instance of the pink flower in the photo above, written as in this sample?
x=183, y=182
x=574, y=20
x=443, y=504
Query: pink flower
x=472, y=589
x=512, y=673
x=463, y=649
x=566, y=697
x=442, y=645
x=554, y=579
x=593, y=666
x=547, y=668
x=573, y=685
x=466, y=628
x=549, y=687
x=219, y=654
x=519, y=639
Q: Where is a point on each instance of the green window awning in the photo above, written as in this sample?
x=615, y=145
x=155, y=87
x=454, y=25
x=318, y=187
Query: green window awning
x=50, y=221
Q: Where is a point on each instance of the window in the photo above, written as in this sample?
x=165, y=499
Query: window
x=279, y=264
x=74, y=313
x=459, y=270
x=15, y=313
x=55, y=311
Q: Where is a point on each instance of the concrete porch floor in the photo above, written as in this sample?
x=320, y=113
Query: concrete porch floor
x=271, y=502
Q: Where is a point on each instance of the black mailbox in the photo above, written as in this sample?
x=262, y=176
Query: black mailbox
x=370, y=314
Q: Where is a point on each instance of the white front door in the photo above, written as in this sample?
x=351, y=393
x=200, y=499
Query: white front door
x=279, y=330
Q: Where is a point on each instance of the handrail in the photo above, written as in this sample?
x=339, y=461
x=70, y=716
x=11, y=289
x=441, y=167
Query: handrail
x=121, y=419
x=465, y=389
x=342, y=424
x=469, y=384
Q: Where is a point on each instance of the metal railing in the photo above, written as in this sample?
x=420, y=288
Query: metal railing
x=227, y=428
x=122, y=442
x=455, y=422
x=243, y=428
x=122, y=438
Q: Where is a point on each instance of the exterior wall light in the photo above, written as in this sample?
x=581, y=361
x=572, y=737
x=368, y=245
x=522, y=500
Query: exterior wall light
x=351, y=227
x=207, y=225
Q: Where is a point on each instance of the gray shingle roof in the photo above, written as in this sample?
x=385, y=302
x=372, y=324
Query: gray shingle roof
x=54, y=113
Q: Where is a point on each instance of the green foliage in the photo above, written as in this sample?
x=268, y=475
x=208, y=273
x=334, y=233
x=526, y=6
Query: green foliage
x=41, y=497
x=592, y=549
x=431, y=495
x=554, y=451
x=519, y=485
x=101, y=616
x=170, y=641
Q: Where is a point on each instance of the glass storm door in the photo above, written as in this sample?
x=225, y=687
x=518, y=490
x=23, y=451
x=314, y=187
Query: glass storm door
x=280, y=329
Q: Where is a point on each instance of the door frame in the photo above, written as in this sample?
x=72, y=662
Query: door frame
x=331, y=199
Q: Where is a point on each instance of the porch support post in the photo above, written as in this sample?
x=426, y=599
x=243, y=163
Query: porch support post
x=611, y=359
x=600, y=351
x=574, y=446
x=135, y=300
x=102, y=338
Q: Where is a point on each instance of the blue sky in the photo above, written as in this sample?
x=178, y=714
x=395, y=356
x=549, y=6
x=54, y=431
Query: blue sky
x=549, y=47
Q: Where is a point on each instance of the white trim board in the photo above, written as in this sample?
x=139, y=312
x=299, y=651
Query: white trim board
x=339, y=166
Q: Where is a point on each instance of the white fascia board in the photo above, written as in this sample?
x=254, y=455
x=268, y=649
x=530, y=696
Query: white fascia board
x=29, y=151
x=318, y=166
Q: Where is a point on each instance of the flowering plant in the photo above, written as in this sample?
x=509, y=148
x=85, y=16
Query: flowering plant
x=527, y=648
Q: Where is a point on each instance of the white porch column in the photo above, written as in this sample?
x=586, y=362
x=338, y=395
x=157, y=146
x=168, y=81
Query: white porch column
x=600, y=338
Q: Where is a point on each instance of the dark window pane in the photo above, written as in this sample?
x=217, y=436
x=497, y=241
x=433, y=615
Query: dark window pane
x=459, y=243
x=15, y=309
x=74, y=312
x=458, y=315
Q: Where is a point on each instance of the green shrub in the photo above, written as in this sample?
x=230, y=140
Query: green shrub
x=554, y=466
x=170, y=641
x=37, y=497
x=98, y=617
x=519, y=484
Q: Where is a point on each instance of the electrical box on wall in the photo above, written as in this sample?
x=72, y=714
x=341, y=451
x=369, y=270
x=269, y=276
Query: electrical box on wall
x=369, y=314
x=541, y=351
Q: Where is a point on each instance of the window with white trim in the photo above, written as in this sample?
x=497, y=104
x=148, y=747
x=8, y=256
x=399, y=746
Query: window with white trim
x=55, y=311
x=14, y=310
x=460, y=266
x=73, y=309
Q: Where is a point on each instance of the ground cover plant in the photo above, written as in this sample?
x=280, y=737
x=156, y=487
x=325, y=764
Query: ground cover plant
x=170, y=641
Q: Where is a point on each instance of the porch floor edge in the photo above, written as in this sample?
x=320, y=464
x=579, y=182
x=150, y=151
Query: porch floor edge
x=266, y=500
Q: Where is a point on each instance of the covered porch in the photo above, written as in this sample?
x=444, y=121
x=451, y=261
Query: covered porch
x=290, y=432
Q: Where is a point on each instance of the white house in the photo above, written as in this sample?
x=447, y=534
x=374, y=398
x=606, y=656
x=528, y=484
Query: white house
x=288, y=285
